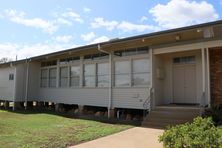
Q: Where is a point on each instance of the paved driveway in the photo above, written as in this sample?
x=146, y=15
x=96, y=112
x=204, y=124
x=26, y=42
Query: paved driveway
x=137, y=137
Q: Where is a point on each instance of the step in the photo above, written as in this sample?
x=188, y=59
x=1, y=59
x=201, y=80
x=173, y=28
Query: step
x=174, y=113
x=165, y=120
x=177, y=108
x=160, y=125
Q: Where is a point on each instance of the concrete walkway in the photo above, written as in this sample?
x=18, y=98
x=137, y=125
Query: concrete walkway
x=137, y=137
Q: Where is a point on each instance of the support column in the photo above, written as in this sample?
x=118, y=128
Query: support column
x=6, y=104
x=81, y=109
x=208, y=78
x=59, y=107
x=202, y=102
x=111, y=113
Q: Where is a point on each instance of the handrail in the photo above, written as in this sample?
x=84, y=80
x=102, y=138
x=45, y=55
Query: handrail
x=147, y=103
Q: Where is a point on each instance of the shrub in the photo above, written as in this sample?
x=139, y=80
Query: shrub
x=200, y=134
x=215, y=112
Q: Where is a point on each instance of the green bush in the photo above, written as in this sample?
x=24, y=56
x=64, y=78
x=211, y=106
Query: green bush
x=200, y=134
x=215, y=112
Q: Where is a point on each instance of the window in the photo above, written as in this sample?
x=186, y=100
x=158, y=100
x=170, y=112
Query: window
x=52, y=77
x=98, y=56
x=122, y=73
x=103, y=75
x=132, y=51
x=49, y=63
x=141, y=75
x=74, y=75
x=68, y=60
x=63, y=77
x=184, y=60
x=44, y=77
x=89, y=75
x=11, y=76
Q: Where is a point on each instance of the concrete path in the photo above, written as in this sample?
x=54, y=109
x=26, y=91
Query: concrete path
x=137, y=137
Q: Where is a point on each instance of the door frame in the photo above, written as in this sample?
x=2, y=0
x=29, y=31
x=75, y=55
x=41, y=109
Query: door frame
x=183, y=64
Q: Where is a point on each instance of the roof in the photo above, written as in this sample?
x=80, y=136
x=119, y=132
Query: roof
x=154, y=34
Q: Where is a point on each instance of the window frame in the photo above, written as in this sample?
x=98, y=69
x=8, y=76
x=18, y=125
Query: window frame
x=49, y=78
x=70, y=67
x=60, y=77
x=46, y=78
x=130, y=58
x=99, y=75
x=138, y=73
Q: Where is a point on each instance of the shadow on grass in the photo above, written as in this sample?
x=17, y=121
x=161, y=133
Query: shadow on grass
x=75, y=116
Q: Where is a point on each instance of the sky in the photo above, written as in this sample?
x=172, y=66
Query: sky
x=35, y=27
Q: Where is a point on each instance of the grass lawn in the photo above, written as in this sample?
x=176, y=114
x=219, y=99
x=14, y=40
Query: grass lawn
x=48, y=130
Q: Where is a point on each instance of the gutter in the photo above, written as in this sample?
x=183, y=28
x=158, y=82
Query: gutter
x=110, y=78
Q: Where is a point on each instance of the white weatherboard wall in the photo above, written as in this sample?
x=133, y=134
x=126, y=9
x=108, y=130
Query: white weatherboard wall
x=129, y=97
x=20, y=82
x=34, y=81
x=6, y=85
x=81, y=96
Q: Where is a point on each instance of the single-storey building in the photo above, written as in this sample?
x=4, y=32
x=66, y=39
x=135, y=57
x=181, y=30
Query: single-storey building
x=178, y=67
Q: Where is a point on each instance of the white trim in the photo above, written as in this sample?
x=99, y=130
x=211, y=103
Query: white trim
x=208, y=77
x=203, y=70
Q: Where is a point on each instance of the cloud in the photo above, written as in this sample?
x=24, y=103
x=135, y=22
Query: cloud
x=64, y=21
x=100, y=22
x=122, y=26
x=63, y=39
x=100, y=39
x=10, y=50
x=86, y=9
x=88, y=36
x=178, y=13
x=130, y=27
x=70, y=14
x=143, y=18
x=19, y=18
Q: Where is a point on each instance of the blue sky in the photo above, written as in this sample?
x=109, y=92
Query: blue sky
x=31, y=27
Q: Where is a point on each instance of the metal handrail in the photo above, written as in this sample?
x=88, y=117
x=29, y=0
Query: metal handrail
x=147, y=103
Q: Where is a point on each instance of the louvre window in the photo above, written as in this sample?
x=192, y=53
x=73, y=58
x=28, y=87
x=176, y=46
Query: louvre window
x=102, y=74
x=89, y=75
x=122, y=73
x=141, y=72
x=52, y=77
x=44, y=77
x=63, y=76
x=74, y=76
x=132, y=51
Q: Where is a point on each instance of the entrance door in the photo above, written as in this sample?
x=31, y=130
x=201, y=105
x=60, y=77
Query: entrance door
x=184, y=83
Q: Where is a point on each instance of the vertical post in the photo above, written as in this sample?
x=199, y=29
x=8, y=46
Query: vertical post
x=208, y=77
x=57, y=74
x=151, y=77
x=81, y=72
x=110, y=84
x=27, y=83
x=14, y=91
x=203, y=74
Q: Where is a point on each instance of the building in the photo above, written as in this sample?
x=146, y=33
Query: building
x=178, y=66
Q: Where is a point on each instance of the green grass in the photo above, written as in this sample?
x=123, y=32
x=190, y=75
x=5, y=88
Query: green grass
x=48, y=130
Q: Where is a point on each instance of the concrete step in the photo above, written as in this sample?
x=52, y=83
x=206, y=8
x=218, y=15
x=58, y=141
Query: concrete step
x=163, y=116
